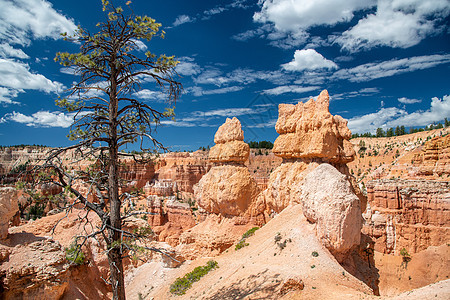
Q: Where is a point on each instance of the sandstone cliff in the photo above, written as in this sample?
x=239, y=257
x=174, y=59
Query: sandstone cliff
x=410, y=214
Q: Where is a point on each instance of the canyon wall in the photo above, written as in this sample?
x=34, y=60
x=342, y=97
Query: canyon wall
x=410, y=214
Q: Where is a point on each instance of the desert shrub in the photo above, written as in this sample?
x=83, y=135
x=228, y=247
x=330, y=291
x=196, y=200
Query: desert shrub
x=406, y=257
x=74, y=254
x=241, y=244
x=35, y=211
x=249, y=232
x=277, y=237
x=143, y=231
x=181, y=285
x=315, y=254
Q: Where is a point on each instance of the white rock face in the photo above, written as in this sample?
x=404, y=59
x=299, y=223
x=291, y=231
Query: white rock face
x=8, y=208
x=328, y=200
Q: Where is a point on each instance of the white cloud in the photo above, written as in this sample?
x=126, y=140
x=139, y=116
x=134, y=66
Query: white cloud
x=72, y=70
x=151, y=95
x=178, y=123
x=308, y=59
x=140, y=45
x=392, y=67
x=292, y=15
x=181, y=19
x=398, y=23
x=8, y=51
x=17, y=75
x=214, y=11
x=6, y=95
x=41, y=119
x=361, y=93
x=405, y=100
x=22, y=19
x=258, y=32
x=230, y=112
x=198, y=91
x=290, y=89
x=187, y=67
x=393, y=117
x=212, y=75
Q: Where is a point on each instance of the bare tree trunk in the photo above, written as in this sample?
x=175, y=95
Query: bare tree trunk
x=114, y=255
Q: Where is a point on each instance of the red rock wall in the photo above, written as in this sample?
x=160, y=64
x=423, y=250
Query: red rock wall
x=410, y=214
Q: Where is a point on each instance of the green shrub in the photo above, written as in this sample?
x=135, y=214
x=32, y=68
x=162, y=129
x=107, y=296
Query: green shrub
x=74, y=254
x=249, y=232
x=404, y=253
x=241, y=244
x=315, y=254
x=181, y=285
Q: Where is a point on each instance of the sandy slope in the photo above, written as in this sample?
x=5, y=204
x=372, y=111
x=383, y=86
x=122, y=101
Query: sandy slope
x=259, y=270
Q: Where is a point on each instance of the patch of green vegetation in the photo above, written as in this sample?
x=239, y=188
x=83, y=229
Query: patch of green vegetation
x=249, y=232
x=74, y=254
x=315, y=254
x=241, y=244
x=181, y=285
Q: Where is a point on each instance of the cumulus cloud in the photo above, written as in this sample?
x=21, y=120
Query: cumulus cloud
x=398, y=23
x=292, y=15
x=290, y=89
x=181, y=19
x=405, y=100
x=308, y=59
x=392, y=67
x=22, y=19
x=41, y=119
x=17, y=75
x=393, y=117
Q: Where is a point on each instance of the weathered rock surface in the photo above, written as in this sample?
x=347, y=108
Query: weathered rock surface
x=183, y=169
x=230, y=131
x=309, y=131
x=309, y=136
x=227, y=189
x=328, y=200
x=38, y=270
x=410, y=214
x=210, y=237
x=8, y=208
x=434, y=158
x=285, y=185
x=233, y=151
x=229, y=143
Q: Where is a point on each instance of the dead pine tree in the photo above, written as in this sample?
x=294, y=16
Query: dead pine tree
x=111, y=68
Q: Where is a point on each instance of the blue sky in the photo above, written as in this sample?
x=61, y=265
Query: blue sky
x=384, y=63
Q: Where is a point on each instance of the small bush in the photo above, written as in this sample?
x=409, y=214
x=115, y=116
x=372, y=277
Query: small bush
x=404, y=253
x=241, y=244
x=249, y=232
x=278, y=237
x=315, y=254
x=74, y=254
x=181, y=285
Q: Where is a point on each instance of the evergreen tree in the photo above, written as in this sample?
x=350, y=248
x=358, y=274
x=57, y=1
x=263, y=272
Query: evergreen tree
x=107, y=117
